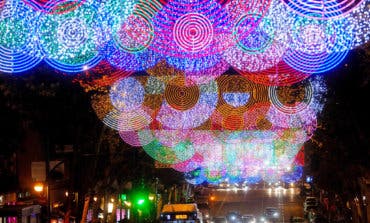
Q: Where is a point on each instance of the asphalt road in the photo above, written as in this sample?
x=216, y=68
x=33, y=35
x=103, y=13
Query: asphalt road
x=254, y=201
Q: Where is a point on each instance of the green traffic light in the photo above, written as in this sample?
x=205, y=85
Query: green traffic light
x=141, y=201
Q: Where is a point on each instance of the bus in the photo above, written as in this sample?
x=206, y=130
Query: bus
x=181, y=213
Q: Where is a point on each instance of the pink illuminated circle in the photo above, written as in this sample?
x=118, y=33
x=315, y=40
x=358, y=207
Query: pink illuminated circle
x=193, y=32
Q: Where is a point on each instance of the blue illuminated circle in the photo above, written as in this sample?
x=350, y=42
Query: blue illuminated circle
x=127, y=94
x=322, y=9
x=70, y=41
x=18, y=49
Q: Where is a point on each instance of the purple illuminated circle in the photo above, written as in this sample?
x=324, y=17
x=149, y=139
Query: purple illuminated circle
x=193, y=32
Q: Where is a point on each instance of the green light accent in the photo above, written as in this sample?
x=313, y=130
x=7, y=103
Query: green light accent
x=14, y=33
x=141, y=201
x=123, y=197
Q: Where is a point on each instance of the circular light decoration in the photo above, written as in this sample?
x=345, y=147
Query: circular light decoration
x=131, y=31
x=189, y=165
x=237, y=95
x=193, y=32
x=172, y=137
x=19, y=51
x=70, y=40
x=191, y=29
x=195, y=177
x=322, y=9
x=128, y=120
x=127, y=94
x=194, y=65
x=291, y=99
x=297, y=105
x=131, y=138
x=263, y=46
x=207, y=74
x=241, y=7
x=169, y=155
x=318, y=46
x=187, y=107
x=257, y=40
x=54, y=6
x=130, y=61
x=359, y=22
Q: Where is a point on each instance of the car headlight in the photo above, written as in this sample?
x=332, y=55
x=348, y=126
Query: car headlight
x=276, y=214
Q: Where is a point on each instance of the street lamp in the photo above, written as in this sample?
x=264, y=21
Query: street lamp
x=38, y=187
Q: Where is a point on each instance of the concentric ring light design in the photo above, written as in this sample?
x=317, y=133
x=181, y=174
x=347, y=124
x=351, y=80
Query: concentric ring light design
x=18, y=49
x=189, y=29
x=194, y=111
x=70, y=41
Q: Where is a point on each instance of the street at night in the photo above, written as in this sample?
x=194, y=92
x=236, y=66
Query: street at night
x=184, y=111
x=254, y=201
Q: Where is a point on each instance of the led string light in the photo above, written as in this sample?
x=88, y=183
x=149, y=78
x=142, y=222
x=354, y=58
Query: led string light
x=188, y=29
x=236, y=96
x=280, y=75
x=189, y=165
x=70, y=40
x=190, y=118
x=297, y=113
x=264, y=46
x=19, y=51
x=54, y=6
x=318, y=46
x=100, y=77
x=322, y=9
x=169, y=155
x=291, y=99
x=359, y=23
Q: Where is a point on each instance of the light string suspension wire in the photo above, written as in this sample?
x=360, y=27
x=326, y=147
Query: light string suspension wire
x=70, y=40
x=19, y=50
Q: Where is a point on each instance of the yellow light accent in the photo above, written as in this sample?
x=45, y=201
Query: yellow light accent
x=181, y=216
x=38, y=187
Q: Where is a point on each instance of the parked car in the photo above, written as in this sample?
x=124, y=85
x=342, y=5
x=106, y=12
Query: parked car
x=271, y=214
x=233, y=217
x=248, y=218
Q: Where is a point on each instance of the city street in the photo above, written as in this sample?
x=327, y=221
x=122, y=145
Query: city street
x=254, y=201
